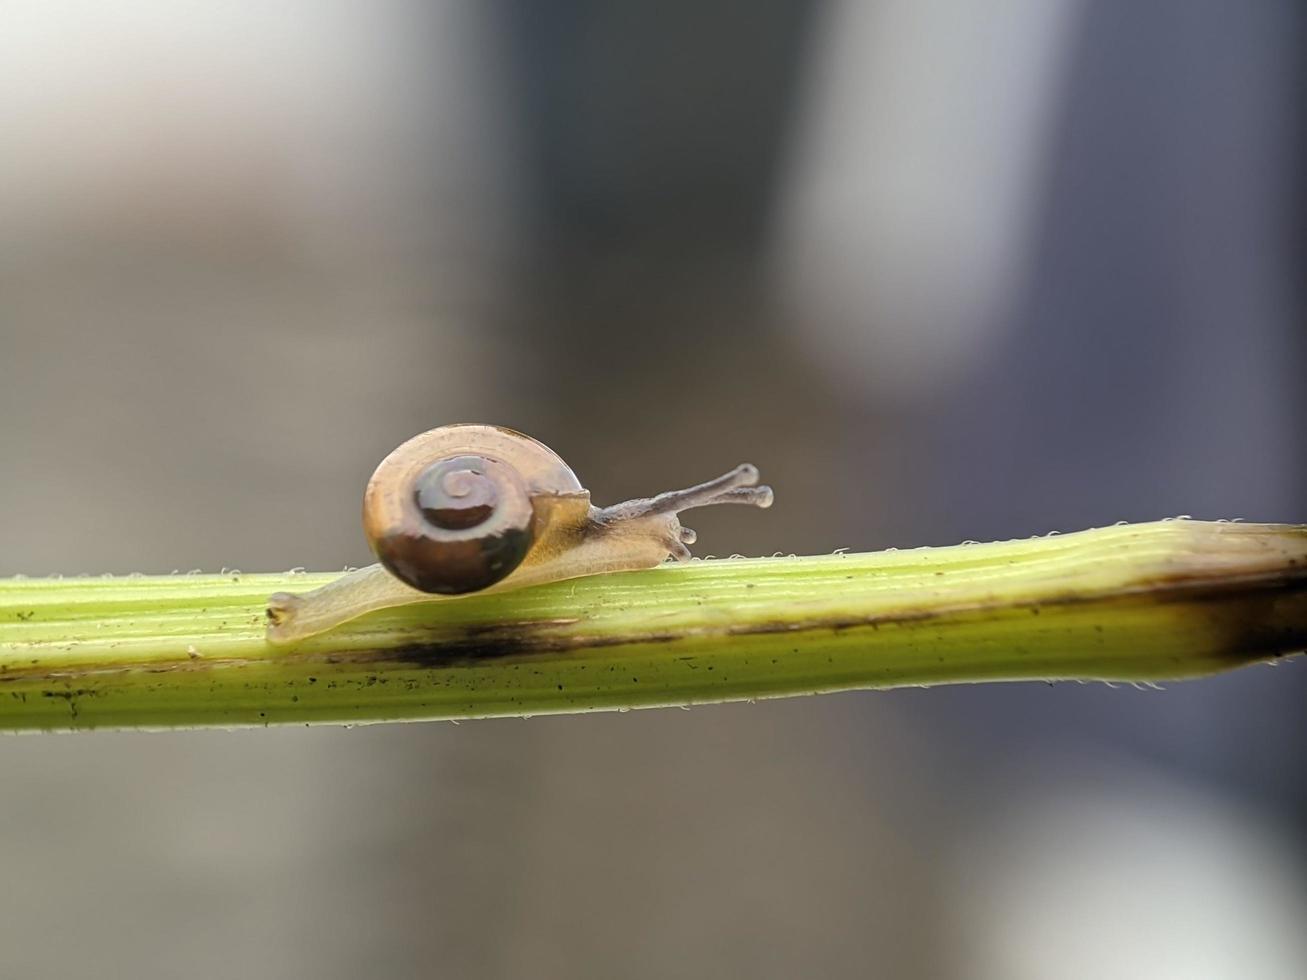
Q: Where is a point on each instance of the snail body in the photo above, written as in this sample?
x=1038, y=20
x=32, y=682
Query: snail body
x=479, y=508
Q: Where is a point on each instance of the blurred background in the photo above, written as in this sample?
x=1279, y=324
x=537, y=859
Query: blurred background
x=944, y=271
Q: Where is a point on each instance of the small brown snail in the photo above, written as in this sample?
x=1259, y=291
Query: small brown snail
x=479, y=508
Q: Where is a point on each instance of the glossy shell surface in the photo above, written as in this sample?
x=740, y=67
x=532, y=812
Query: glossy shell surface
x=454, y=510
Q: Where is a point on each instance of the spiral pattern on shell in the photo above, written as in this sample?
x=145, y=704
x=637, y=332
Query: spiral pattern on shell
x=453, y=510
x=457, y=524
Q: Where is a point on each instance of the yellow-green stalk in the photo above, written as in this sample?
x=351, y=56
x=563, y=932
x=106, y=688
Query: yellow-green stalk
x=1144, y=602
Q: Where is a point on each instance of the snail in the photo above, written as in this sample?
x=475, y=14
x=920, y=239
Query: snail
x=479, y=508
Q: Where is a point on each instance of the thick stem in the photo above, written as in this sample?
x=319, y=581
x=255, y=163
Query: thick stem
x=1148, y=602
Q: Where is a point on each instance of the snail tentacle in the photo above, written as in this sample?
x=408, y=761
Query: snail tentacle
x=733, y=487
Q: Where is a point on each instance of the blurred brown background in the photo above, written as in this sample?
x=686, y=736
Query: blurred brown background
x=943, y=271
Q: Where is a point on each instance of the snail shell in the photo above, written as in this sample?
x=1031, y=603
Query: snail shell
x=453, y=510
x=479, y=508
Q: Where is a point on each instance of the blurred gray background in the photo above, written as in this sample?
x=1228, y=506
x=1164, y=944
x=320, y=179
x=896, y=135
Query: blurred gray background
x=942, y=270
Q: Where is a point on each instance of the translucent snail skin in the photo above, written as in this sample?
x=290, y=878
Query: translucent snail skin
x=478, y=508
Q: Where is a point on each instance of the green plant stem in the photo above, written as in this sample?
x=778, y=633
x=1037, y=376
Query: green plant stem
x=1146, y=602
